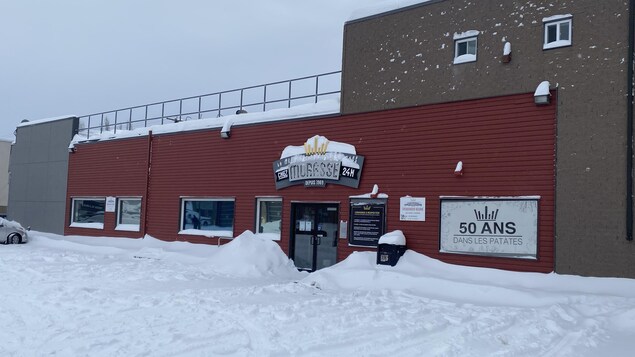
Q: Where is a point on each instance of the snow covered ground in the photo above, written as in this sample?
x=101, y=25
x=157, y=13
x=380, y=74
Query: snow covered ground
x=79, y=296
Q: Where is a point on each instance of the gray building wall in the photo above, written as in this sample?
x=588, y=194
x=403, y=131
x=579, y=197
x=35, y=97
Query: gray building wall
x=38, y=174
x=5, y=151
x=405, y=58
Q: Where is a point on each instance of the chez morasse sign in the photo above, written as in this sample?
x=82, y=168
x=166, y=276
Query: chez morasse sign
x=318, y=162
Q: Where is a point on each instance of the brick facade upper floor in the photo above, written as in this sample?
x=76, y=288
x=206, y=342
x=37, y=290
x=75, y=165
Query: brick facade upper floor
x=407, y=57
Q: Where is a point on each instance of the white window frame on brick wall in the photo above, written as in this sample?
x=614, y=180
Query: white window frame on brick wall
x=557, y=23
x=466, y=38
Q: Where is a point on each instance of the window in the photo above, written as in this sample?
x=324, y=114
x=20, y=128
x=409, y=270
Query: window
x=269, y=217
x=88, y=212
x=128, y=214
x=465, y=46
x=557, y=31
x=212, y=217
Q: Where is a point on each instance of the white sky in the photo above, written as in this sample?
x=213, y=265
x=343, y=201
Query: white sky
x=84, y=56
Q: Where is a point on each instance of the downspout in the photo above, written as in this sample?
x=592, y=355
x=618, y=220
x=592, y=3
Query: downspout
x=629, y=121
x=147, y=189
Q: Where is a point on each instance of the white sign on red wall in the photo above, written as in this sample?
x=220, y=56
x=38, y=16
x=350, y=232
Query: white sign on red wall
x=500, y=227
x=412, y=209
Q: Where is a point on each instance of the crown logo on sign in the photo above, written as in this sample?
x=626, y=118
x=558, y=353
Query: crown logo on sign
x=485, y=215
x=316, y=145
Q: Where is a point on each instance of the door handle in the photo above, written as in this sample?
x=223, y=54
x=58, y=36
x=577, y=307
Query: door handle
x=318, y=240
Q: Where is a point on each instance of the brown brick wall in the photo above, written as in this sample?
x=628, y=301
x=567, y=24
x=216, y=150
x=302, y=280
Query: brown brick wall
x=405, y=59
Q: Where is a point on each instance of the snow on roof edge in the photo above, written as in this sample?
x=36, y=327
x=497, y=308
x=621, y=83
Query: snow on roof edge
x=45, y=120
x=386, y=7
x=321, y=108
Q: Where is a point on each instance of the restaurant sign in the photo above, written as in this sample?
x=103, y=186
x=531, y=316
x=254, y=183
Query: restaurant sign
x=317, y=163
x=499, y=227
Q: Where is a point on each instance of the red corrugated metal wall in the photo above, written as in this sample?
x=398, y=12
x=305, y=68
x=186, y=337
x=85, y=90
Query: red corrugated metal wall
x=108, y=168
x=507, y=145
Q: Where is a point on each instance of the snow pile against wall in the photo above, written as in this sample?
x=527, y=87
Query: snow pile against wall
x=96, y=299
x=250, y=255
x=421, y=275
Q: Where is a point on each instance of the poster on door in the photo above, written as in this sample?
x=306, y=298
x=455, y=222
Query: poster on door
x=491, y=227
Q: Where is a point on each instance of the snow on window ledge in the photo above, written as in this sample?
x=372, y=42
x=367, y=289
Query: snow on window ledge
x=556, y=44
x=87, y=225
x=556, y=18
x=466, y=34
x=209, y=234
x=268, y=236
x=466, y=58
x=127, y=227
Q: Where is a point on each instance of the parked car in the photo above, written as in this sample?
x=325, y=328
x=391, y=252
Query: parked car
x=12, y=232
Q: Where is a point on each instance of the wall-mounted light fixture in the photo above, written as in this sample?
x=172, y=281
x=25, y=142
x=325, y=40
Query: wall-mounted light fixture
x=458, y=171
x=507, y=53
x=225, y=131
x=542, y=95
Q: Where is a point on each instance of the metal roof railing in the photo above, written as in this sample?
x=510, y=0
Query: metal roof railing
x=282, y=94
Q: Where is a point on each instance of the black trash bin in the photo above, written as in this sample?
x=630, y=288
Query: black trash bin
x=389, y=254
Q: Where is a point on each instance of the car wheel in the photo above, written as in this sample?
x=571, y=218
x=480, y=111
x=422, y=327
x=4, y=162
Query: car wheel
x=14, y=238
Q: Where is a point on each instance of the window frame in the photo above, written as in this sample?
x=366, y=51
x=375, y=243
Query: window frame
x=558, y=43
x=91, y=225
x=466, y=59
x=257, y=218
x=201, y=232
x=127, y=226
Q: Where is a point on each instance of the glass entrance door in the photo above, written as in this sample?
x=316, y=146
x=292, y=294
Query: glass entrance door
x=314, y=235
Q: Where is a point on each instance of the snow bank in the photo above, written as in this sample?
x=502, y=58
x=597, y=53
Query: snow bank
x=81, y=296
x=148, y=247
x=250, y=255
x=423, y=276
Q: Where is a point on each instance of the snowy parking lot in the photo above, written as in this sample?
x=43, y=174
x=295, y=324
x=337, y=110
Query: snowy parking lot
x=81, y=296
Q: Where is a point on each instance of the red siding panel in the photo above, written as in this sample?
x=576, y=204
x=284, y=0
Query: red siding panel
x=507, y=145
x=108, y=168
